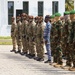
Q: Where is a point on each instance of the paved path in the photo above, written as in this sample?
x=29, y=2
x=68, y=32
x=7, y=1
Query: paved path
x=15, y=64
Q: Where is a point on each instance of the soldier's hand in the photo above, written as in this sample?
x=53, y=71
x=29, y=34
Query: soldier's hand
x=33, y=39
x=28, y=38
x=24, y=36
x=42, y=41
x=19, y=37
x=46, y=41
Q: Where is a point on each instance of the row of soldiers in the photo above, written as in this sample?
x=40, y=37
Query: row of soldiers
x=63, y=39
x=29, y=35
x=27, y=32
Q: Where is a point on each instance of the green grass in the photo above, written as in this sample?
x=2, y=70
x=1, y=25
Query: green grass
x=7, y=37
x=5, y=43
x=5, y=40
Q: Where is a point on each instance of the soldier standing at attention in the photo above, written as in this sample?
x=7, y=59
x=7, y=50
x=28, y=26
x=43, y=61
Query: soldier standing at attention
x=40, y=40
x=31, y=37
x=66, y=35
x=59, y=40
x=24, y=26
x=35, y=35
x=18, y=35
x=53, y=39
x=47, y=31
x=13, y=34
x=72, y=37
x=52, y=32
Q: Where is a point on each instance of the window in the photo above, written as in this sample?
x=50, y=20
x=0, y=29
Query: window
x=26, y=7
x=10, y=11
x=54, y=7
x=40, y=8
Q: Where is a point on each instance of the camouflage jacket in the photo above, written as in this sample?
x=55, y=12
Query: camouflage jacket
x=40, y=31
x=53, y=31
x=59, y=32
x=66, y=30
x=13, y=29
x=72, y=32
x=18, y=29
x=24, y=28
x=31, y=29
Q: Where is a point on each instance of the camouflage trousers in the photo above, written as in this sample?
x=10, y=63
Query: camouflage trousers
x=14, y=43
x=53, y=47
x=19, y=43
x=31, y=46
x=54, y=52
x=24, y=43
x=68, y=54
x=59, y=55
x=73, y=52
x=39, y=48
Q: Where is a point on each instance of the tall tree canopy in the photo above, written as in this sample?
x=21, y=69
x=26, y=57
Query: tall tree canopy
x=69, y=5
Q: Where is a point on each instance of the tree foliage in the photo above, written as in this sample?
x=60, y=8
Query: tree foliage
x=69, y=4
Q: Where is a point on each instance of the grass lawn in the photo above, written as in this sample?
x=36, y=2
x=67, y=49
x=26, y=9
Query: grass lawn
x=5, y=40
x=2, y=37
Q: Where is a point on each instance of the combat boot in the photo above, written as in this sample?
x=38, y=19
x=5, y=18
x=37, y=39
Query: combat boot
x=58, y=65
x=72, y=69
x=40, y=59
x=13, y=51
x=66, y=67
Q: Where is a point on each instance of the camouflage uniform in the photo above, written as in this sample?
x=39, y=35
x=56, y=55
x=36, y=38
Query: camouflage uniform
x=58, y=37
x=53, y=42
x=66, y=35
x=72, y=46
x=35, y=33
x=13, y=35
x=24, y=40
x=19, y=35
x=73, y=52
x=40, y=43
x=31, y=36
x=27, y=36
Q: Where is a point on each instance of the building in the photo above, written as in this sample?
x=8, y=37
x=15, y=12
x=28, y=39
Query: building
x=9, y=8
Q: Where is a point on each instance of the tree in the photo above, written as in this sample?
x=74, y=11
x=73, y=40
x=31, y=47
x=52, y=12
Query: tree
x=69, y=4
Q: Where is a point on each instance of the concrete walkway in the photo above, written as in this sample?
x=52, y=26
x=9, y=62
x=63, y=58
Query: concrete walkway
x=15, y=64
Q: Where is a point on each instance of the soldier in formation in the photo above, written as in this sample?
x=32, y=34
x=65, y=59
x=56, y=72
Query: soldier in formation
x=13, y=34
x=58, y=35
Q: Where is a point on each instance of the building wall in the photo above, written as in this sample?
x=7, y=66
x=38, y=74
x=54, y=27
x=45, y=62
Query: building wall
x=33, y=10
x=74, y=4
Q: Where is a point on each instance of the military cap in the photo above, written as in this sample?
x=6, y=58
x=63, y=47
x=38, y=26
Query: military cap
x=12, y=18
x=40, y=18
x=66, y=13
x=18, y=17
x=31, y=17
x=57, y=14
x=72, y=12
x=36, y=17
x=62, y=18
x=52, y=16
x=47, y=16
x=23, y=14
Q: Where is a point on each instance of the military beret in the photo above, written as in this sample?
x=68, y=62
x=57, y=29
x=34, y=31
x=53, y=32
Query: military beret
x=66, y=13
x=57, y=14
x=72, y=12
x=36, y=17
x=52, y=16
x=18, y=17
x=47, y=16
x=13, y=18
x=31, y=17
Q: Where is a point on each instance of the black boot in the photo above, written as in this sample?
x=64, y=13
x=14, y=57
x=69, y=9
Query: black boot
x=19, y=51
x=13, y=51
